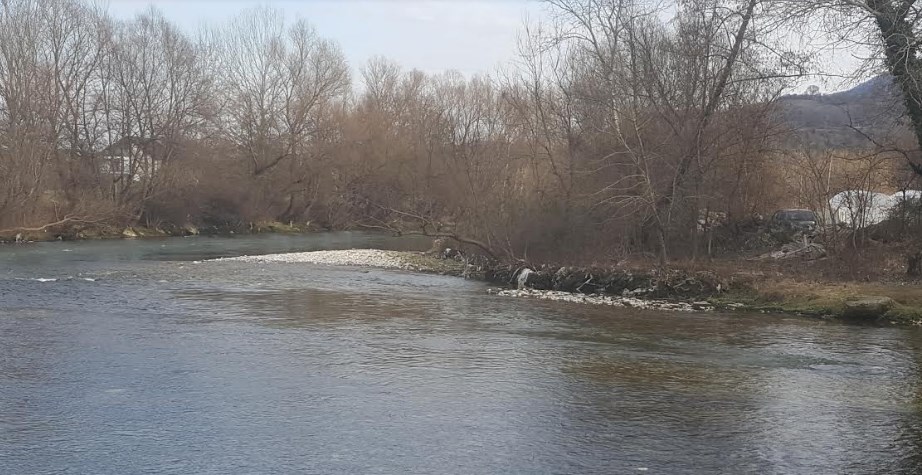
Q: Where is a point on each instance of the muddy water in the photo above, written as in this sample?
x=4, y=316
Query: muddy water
x=132, y=357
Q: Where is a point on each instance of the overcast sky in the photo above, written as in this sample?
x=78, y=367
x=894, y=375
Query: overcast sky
x=471, y=36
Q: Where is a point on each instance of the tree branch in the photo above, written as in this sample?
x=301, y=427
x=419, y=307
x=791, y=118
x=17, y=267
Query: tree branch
x=60, y=222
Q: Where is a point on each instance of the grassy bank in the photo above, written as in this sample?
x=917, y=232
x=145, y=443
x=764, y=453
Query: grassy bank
x=739, y=286
x=824, y=299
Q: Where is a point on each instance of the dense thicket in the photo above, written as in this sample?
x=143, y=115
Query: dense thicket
x=620, y=128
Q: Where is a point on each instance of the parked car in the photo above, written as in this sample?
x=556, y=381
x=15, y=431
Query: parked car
x=791, y=221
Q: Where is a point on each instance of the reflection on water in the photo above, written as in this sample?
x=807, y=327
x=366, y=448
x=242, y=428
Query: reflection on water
x=172, y=366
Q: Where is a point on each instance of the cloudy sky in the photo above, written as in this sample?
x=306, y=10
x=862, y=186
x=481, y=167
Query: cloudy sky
x=471, y=36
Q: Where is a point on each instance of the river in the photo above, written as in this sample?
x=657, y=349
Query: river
x=137, y=357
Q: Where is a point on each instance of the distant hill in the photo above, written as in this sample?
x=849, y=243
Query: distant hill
x=825, y=120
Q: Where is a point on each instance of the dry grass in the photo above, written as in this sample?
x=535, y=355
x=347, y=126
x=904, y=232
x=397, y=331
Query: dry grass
x=818, y=288
x=828, y=298
x=907, y=294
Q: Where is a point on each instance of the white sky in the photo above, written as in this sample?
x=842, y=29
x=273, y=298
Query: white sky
x=471, y=36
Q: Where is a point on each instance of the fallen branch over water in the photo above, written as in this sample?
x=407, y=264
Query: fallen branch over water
x=44, y=227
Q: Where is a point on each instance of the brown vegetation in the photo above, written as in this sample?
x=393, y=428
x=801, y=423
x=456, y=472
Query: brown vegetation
x=618, y=132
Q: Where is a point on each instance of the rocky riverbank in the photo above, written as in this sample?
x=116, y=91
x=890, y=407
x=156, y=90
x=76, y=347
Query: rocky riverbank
x=657, y=292
x=596, y=299
x=673, y=289
x=647, y=284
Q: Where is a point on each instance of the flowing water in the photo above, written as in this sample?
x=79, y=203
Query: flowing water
x=135, y=357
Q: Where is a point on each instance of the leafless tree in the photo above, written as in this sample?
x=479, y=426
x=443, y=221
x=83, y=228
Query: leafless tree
x=658, y=95
x=278, y=80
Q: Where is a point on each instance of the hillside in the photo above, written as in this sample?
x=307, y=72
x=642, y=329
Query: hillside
x=827, y=120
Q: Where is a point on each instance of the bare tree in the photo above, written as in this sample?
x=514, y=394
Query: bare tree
x=656, y=94
x=891, y=30
x=24, y=151
x=49, y=79
x=277, y=81
x=156, y=98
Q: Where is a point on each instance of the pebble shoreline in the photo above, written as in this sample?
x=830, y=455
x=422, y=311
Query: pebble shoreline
x=628, y=302
x=423, y=262
x=348, y=257
x=403, y=260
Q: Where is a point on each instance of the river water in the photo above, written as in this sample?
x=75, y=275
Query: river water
x=139, y=358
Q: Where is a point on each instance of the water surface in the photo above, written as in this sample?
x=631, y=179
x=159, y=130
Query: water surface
x=135, y=356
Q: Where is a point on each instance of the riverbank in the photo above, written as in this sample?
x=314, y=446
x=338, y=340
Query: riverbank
x=881, y=303
x=718, y=284
x=609, y=300
x=674, y=289
x=82, y=231
x=724, y=286
x=427, y=262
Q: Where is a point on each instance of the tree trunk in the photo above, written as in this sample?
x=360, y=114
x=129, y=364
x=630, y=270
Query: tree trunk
x=900, y=51
x=663, y=246
x=914, y=264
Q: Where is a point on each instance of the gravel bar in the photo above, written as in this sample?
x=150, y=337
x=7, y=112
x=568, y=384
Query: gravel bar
x=349, y=257
x=399, y=260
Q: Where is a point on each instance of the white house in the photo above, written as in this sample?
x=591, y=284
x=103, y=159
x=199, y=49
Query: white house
x=131, y=159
